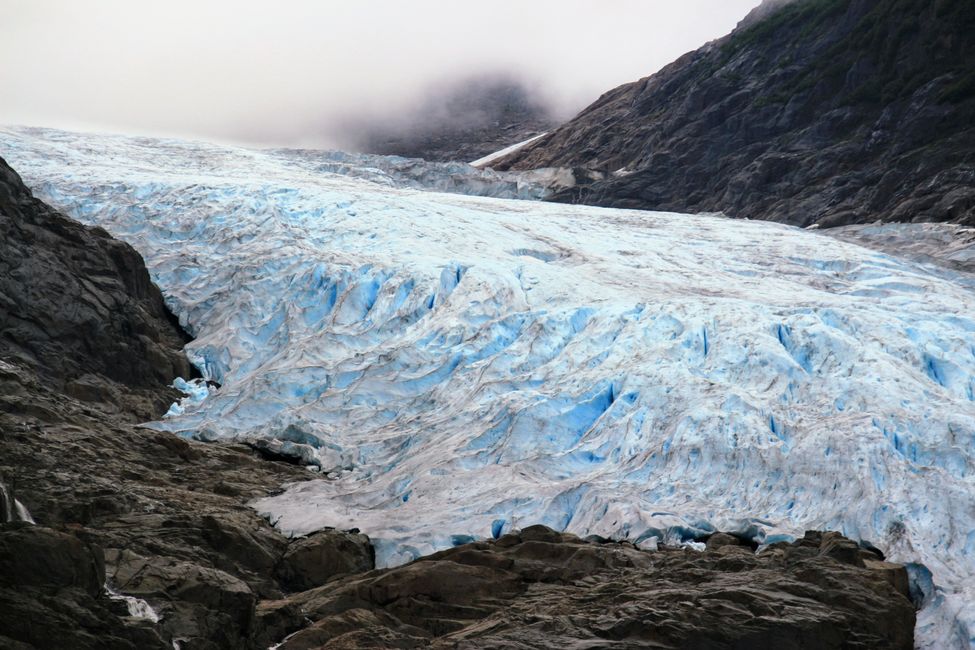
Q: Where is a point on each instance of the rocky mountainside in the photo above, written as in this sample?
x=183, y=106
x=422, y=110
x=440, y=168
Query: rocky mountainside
x=538, y=588
x=78, y=309
x=460, y=122
x=825, y=112
x=87, y=348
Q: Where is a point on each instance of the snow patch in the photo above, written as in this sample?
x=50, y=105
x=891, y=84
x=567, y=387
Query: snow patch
x=497, y=155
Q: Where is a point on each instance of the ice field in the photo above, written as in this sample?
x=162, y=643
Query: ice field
x=459, y=366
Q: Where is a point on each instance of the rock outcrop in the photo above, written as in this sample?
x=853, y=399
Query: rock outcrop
x=77, y=308
x=314, y=560
x=52, y=596
x=542, y=589
x=87, y=348
x=827, y=112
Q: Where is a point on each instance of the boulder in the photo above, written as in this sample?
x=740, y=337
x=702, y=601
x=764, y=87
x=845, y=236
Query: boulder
x=719, y=540
x=314, y=560
x=34, y=556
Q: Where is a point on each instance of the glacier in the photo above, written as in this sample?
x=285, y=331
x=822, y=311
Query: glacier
x=454, y=367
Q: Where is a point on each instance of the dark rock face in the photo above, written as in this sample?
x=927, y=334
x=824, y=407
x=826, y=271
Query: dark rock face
x=78, y=308
x=169, y=517
x=312, y=561
x=815, y=111
x=86, y=348
x=460, y=122
x=50, y=583
x=56, y=560
x=543, y=589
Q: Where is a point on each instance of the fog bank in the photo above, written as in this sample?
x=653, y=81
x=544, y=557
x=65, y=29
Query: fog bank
x=297, y=73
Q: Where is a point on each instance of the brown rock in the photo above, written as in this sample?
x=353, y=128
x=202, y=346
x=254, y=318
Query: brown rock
x=718, y=540
x=34, y=556
x=314, y=560
x=546, y=589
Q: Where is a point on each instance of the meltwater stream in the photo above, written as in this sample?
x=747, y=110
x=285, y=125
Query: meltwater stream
x=12, y=509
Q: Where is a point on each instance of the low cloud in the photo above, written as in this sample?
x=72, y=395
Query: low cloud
x=300, y=72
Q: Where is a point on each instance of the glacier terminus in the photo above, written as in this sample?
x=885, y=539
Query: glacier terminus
x=455, y=367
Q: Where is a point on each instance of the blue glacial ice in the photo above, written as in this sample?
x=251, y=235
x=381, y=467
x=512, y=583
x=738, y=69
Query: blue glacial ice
x=459, y=366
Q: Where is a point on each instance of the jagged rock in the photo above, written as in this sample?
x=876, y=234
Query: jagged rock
x=719, y=540
x=34, y=556
x=844, y=550
x=51, y=594
x=86, y=348
x=156, y=503
x=275, y=619
x=33, y=620
x=209, y=607
x=312, y=561
x=827, y=112
x=78, y=307
x=544, y=589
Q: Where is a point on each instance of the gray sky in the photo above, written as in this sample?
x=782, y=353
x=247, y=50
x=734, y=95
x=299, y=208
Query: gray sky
x=285, y=72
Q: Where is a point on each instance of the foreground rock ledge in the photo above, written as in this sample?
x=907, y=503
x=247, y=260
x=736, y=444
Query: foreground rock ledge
x=87, y=348
x=542, y=589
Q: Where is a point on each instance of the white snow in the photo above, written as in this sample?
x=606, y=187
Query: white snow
x=462, y=366
x=497, y=155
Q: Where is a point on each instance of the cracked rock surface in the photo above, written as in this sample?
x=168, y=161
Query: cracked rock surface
x=542, y=589
x=87, y=349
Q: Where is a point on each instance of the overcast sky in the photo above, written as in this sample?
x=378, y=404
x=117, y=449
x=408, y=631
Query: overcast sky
x=286, y=72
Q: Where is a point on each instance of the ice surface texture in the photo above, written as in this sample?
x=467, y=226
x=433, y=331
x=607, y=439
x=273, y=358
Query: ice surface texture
x=463, y=366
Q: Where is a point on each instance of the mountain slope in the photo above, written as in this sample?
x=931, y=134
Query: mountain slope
x=87, y=348
x=813, y=111
x=459, y=367
x=114, y=341
x=458, y=122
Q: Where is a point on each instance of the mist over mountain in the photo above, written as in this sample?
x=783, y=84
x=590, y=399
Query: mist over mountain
x=462, y=119
x=292, y=74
